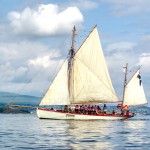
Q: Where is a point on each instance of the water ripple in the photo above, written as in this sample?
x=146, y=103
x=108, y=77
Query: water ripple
x=24, y=131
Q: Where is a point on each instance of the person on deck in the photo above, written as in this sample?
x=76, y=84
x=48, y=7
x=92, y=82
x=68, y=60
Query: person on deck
x=95, y=108
x=122, y=112
x=85, y=109
x=127, y=113
x=65, y=108
x=98, y=110
x=81, y=109
x=113, y=112
x=104, y=108
x=76, y=109
x=89, y=109
x=92, y=109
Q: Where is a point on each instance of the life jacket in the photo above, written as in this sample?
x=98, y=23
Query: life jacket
x=128, y=113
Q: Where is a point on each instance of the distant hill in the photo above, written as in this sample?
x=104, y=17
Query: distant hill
x=6, y=98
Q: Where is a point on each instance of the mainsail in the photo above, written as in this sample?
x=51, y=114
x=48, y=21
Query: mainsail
x=134, y=92
x=89, y=80
x=92, y=82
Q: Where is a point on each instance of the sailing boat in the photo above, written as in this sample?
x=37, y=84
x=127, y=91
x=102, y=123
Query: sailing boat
x=133, y=94
x=82, y=79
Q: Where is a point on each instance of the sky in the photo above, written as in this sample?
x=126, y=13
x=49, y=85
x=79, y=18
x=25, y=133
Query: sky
x=35, y=36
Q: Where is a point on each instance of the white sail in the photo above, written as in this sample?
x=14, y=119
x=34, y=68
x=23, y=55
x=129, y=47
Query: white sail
x=91, y=80
x=57, y=93
x=134, y=92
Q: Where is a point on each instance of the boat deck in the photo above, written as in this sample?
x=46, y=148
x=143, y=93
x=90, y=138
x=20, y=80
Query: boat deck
x=99, y=114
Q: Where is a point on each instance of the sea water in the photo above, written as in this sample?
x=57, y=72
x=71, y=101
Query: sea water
x=26, y=131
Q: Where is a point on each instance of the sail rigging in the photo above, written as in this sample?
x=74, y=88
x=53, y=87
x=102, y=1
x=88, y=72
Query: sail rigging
x=86, y=80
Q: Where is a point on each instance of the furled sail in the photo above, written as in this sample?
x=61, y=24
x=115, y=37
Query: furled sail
x=57, y=93
x=91, y=80
x=134, y=91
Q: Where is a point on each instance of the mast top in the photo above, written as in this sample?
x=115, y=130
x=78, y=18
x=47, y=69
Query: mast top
x=73, y=36
x=125, y=81
x=72, y=50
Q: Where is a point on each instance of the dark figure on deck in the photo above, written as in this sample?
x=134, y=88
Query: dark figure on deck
x=104, y=108
x=113, y=112
x=122, y=112
x=81, y=109
x=98, y=108
x=89, y=109
x=92, y=110
x=127, y=113
x=66, y=108
x=76, y=109
x=85, y=109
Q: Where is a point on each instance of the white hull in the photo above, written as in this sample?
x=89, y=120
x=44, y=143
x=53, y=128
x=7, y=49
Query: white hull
x=51, y=114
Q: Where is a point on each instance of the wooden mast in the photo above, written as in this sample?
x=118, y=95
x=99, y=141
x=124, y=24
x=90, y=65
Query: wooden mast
x=71, y=68
x=72, y=45
x=125, y=82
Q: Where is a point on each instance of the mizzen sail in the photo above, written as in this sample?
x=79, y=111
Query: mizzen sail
x=134, y=92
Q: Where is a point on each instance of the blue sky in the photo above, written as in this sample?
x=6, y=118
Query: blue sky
x=35, y=36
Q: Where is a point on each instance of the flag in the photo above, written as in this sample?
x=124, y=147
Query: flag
x=139, y=77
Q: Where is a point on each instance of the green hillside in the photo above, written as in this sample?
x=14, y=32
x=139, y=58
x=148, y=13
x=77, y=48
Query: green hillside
x=6, y=98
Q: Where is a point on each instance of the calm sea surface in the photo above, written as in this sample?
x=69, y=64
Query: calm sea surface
x=26, y=131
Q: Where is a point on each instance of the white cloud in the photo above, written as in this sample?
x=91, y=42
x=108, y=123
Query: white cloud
x=45, y=20
x=45, y=61
x=27, y=64
x=41, y=61
x=144, y=61
x=120, y=46
x=146, y=38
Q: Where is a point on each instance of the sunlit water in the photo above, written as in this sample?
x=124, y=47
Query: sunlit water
x=26, y=131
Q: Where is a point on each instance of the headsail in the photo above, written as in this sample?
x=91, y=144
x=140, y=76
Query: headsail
x=92, y=83
x=134, y=92
x=57, y=93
